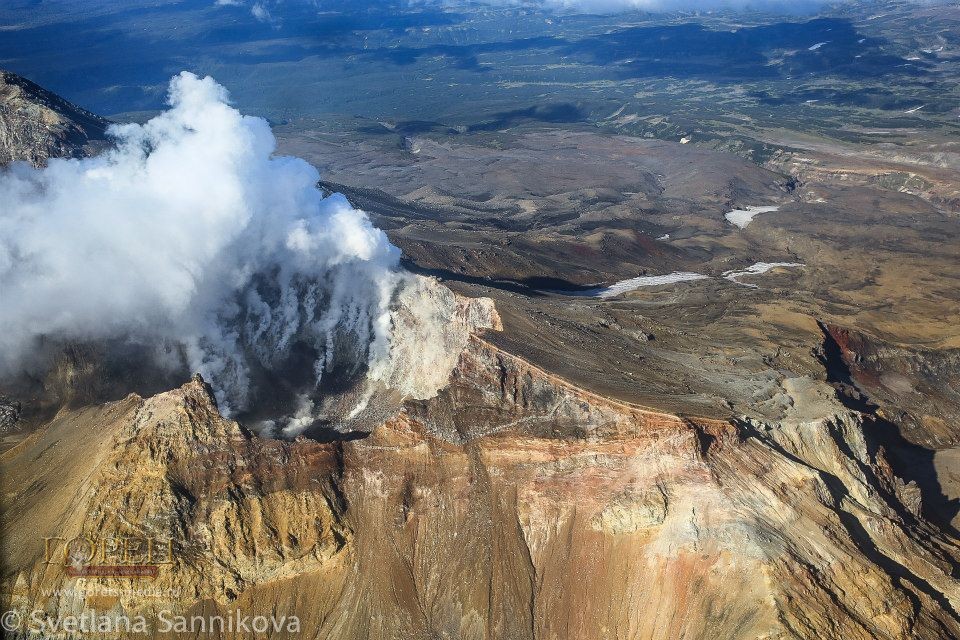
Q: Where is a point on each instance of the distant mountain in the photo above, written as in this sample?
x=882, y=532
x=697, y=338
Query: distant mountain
x=36, y=124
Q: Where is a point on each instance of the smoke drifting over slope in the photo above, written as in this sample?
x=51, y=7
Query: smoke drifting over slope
x=192, y=240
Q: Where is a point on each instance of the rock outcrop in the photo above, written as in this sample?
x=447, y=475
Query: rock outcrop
x=536, y=510
x=36, y=124
x=915, y=387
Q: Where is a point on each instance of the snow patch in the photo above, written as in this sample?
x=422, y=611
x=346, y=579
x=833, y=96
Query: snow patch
x=756, y=268
x=624, y=286
x=742, y=217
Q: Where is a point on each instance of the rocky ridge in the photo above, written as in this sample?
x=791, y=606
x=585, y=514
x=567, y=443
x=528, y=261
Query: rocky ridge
x=559, y=514
x=36, y=124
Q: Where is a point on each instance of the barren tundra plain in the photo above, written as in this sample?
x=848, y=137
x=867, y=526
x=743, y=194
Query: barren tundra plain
x=622, y=326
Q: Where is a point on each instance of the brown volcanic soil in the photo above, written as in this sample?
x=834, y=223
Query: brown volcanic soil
x=568, y=205
x=533, y=509
x=516, y=215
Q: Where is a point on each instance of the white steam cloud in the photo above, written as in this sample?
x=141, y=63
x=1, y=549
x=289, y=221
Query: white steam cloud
x=191, y=237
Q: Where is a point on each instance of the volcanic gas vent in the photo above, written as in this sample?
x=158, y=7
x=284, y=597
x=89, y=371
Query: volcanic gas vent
x=192, y=243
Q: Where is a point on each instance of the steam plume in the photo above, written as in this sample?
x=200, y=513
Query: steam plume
x=193, y=239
